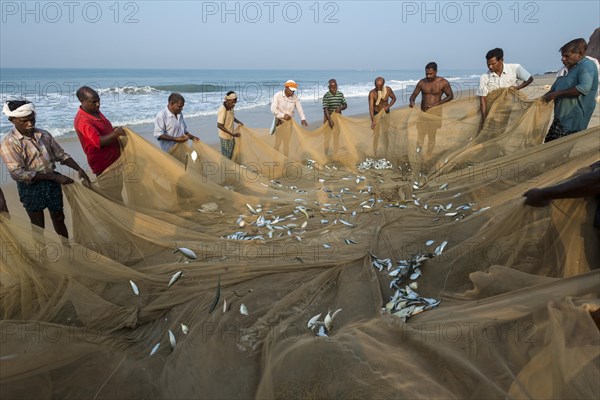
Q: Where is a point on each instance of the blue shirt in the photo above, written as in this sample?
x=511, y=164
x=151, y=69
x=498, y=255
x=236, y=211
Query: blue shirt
x=574, y=113
x=166, y=123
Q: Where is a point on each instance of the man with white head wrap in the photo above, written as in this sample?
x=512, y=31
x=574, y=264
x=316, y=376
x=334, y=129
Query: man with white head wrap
x=225, y=124
x=30, y=155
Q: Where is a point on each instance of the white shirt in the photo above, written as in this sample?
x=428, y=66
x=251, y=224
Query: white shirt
x=282, y=105
x=490, y=81
x=564, y=71
x=166, y=123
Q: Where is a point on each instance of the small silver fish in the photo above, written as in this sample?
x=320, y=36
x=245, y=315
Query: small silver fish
x=444, y=186
x=335, y=313
x=438, y=250
x=312, y=323
x=346, y=223
x=327, y=245
x=187, y=252
x=172, y=340
x=321, y=331
x=378, y=265
x=175, y=277
x=155, y=349
x=134, y=287
x=243, y=309
x=252, y=210
x=429, y=242
x=328, y=321
x=185, y=329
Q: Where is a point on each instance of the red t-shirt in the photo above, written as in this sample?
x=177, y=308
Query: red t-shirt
x=89, y=128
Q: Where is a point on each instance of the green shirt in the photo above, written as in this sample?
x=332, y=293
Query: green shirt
x=574, y=113
x=333, y=101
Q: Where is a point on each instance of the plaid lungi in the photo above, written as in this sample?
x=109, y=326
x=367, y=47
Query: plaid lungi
x=227, y=147
x=40, y=195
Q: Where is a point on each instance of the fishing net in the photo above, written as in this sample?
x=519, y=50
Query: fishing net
x=496, y=302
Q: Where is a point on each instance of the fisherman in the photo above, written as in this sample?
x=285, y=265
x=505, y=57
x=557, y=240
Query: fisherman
x=169, y=124
x=225, y=124
x=282, y=107
x=30, y=155
x=574, y=93
x=333, y=102
x=432, y=89
x=96, y=134
x=380, y=98
x=499, y=75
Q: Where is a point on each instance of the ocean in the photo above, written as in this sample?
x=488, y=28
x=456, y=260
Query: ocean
x=132, y=97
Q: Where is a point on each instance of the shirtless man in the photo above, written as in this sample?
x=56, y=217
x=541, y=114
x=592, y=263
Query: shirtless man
x=380, y=98
x=433, y=88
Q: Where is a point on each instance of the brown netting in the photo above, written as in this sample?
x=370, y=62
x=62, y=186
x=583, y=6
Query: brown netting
x=293, y=235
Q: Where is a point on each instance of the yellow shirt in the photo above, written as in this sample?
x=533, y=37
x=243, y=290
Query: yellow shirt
x=226, y=117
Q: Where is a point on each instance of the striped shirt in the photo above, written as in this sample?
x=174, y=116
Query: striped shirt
x=25, y=156
x=333, y=101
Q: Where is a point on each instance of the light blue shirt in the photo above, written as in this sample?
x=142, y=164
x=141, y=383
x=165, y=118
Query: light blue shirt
x=574, y=113
x=166, y=123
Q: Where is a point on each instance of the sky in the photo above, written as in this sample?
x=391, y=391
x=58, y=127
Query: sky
x=374, y=35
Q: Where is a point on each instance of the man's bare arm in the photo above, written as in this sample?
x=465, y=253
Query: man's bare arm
x=371, y=105
x=447, y=90
x=553, y=95
x=327, y=116
x=413, y=96
x=584, y=185
x=525, y=83
x=392, y=96
x=222, y=127
x=483, y=107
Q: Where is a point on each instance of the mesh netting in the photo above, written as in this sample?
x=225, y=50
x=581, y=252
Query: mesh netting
x=284, y=236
